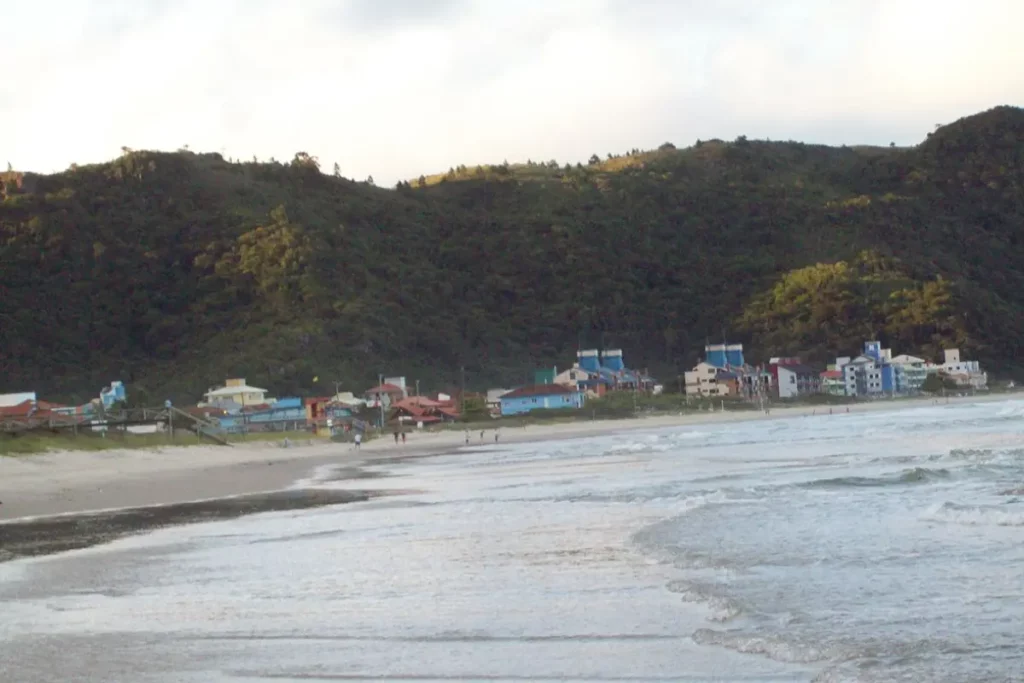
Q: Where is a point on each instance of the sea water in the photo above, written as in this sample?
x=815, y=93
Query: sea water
x=874, y=546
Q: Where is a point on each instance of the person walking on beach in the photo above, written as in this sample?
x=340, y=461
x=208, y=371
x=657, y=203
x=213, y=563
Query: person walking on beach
x=495, y=436
x=359, y=440
x=403, y=438
x=396, y=436
x=467, y=437
x=481, y=435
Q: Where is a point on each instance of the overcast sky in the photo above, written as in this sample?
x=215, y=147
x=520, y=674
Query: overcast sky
x=395, y=88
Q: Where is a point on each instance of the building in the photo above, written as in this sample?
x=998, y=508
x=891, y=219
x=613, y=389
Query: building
x=386, y=393
x=420, y=411
x=792, y=378
x=283, y=415
x=494, y=400
x=605, y=372
x=833, y=383
x=910, y=373
x=235, y=394
x=545, y=375
x=710, y=380
x=724, y=355
x=574, y=377
x=541, y=396
x=966, y=373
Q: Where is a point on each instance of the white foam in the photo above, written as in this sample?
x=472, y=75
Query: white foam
x=974, y=515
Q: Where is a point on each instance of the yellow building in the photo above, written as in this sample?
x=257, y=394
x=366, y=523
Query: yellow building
x=235, y=391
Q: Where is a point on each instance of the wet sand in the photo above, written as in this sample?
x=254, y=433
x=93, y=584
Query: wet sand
x=60, y=533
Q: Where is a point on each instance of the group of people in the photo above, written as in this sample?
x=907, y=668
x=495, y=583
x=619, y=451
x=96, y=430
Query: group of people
x=482, y=432
x=400, y=436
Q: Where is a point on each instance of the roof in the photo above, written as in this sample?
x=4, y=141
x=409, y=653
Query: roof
x=727, y=374
x=799, y=369
x=385, y=389
x=231, y=391
x=539, y=390
x=832, y=374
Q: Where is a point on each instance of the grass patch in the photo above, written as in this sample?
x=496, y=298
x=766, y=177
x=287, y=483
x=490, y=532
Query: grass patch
x=44, y=442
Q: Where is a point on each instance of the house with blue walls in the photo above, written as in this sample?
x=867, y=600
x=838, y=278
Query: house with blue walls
x=541, y=396
x=283, y=415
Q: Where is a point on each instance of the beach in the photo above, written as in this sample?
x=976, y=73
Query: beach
x=82, y=481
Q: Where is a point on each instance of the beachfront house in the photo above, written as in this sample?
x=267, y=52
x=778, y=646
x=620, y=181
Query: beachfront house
x=235, y=394
x=910, y=372
x=711, y=381
x=792, y=378
x=966, y=373
x=541, y=396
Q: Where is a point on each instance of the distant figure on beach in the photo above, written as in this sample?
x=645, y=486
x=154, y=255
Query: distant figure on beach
x=359, y=440
x=481, y=435
x=495, y=436
x=396, y=436
x=467, y=437
x=403, y=437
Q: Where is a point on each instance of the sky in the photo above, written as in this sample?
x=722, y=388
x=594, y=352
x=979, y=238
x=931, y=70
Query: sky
x=399, y=88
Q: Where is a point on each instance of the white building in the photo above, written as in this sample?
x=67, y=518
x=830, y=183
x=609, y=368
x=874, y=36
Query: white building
x=573, y=376
x=966, y=373
x=862, y=375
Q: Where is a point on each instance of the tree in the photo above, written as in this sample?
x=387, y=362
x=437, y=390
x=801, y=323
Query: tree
x=594, y=159
x=337, y=170
x=666, y=146
x=369, y=180
x=938, y=382
x=304, y=160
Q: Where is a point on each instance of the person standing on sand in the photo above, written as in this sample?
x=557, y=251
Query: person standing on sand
x=495, y=436
x=403, y=438
x=481, y=435
x=396, y=436
x=467, y=437
x=359, y=440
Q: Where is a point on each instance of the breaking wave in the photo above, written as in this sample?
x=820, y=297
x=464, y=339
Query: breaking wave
x=912, y=476
x=974, y=515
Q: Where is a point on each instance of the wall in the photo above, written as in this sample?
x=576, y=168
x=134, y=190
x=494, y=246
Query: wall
x=524, y=404
x=787, y=383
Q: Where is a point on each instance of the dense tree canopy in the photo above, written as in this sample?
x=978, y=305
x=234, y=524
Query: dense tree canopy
x=174, y=270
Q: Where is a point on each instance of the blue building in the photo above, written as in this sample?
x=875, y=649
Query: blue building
x=540, y=396
x=724, y=355
x=283, y=415
x=608, y=372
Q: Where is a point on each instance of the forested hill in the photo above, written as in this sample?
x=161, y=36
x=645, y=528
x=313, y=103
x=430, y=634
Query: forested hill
x=172, y=271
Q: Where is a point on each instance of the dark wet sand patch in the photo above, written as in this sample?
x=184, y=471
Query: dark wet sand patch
x=48, y=535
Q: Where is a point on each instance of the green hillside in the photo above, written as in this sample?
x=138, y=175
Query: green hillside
x=174, y=270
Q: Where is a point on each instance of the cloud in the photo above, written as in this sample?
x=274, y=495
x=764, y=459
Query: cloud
x=404, y=87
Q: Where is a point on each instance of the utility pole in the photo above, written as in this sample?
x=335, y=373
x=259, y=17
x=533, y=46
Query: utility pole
x=462, y=371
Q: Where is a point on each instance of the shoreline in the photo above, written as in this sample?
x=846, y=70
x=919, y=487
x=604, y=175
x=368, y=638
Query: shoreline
x=62, y=501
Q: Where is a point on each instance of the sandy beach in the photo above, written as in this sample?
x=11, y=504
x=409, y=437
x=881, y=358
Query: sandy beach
x=112, y=488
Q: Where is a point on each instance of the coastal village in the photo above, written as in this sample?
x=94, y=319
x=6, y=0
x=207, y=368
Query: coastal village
x=237, y=407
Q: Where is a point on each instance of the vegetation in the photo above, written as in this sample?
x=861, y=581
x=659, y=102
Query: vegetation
x=171, y=271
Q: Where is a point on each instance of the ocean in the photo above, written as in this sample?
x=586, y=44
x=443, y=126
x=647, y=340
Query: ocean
x=869, y=546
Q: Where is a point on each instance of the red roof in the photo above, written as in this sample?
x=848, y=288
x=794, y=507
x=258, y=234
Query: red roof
x=832, y=374
x=539, y=390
